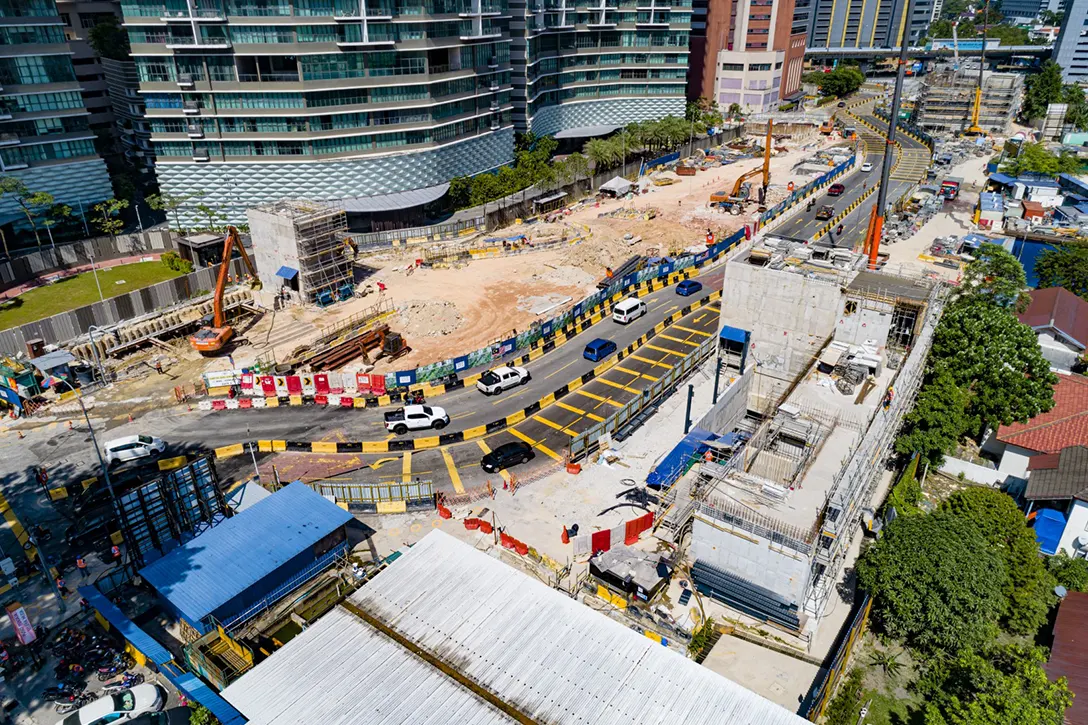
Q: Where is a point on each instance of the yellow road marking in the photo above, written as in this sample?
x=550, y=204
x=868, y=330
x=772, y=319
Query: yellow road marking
x=406, y=468
x=560, y=369
x=381, y=462
x=454, y=475
x=599, y=399
x=688, y=329
x=638, y=375
x=535, y=444
x=665, y=349
x=556, y=426
x=579, y=411
x=618, y=385
x=658, y=363
x=677, y=339
x=391, y=436
x=487, y=449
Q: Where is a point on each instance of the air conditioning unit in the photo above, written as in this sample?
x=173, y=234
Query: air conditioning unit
x=191, y=108
x=185, y=80
x=493, y=62
x=194, y=130
x=201, y=154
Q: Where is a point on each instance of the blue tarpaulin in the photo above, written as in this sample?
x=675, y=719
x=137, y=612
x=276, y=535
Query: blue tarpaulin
x=1049, y=526
x=734, y=334
x=1002, y=179
x=674, y=464
x=287, y=272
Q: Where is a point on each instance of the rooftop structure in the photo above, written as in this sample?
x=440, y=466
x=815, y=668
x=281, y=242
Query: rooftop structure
x=1066, y=424
x=869, y=23
x=1060, y=321
x=947, y=99
x=220, y=576
x=299, y=244
x=1069, y=654
x=449, y=634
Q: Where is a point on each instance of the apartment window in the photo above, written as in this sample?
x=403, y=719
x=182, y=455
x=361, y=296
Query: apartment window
x=778, y=65
x=759, y=66
x=733, y=66
x=25, y=34
x=67, y=18
x=36, y=69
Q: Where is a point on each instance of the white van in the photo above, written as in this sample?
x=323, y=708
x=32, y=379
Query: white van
x=132, y=447
x=628, y=310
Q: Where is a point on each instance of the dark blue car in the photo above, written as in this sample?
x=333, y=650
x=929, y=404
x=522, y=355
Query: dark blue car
x=599, y=349
x=688, y=287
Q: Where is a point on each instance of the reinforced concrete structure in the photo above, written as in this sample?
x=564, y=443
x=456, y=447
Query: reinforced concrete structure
x=772, y=521
x=948, y=98
x=355, y=99
x=868, y=23
x=46, y=140
x=299, y=245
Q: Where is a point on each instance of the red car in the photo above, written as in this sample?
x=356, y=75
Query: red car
x=835, y=190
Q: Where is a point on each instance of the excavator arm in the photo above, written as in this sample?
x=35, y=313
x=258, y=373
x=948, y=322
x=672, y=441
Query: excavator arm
x=224, y=272
x=765, y=170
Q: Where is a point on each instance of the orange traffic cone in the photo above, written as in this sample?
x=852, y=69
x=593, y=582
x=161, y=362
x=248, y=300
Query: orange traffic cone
x=69, y=425
x=565, y=538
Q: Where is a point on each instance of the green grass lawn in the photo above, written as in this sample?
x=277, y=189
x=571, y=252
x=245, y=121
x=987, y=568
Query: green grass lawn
x=78, y=291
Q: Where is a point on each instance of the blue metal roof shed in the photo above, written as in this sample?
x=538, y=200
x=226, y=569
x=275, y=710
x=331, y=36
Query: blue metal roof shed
x=251, y=560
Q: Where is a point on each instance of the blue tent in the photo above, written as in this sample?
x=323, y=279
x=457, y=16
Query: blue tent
x=1049, y=526
x=675, y=463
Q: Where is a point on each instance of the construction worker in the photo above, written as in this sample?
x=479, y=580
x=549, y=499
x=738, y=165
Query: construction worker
x=839, y=230
x=61, y=587
x=81, y=564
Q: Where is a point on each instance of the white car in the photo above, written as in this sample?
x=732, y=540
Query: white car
x=867, y=166
x=495, y=381
x=120, y=706
x=415, y=417
x=132, y=447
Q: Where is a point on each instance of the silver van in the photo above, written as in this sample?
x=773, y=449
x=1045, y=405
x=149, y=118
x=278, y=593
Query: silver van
x=628, y=310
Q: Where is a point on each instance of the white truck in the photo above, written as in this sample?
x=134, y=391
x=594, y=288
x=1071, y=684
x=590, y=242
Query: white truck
x=495, y=381
x=416, y=417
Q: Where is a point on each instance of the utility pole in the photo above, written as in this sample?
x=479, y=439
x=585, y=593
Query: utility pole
x=876, y=223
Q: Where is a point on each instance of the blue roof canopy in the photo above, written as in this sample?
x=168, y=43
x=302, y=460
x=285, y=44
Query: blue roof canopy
x=735, y=334
x=210, y=570
x=1049, y=526
x=287, y=272
x=673, y=464
x=1002, y=179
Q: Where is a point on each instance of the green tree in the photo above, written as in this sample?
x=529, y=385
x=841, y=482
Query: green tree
x=1030, y=587
x=31, y=203
x=601, y=153
x=997, y=276
x=578, y=165
x=1000, y=685
x=459, y=194
x=1040, y=90
x=937, y=422
x=888, y=662
x=1077, y=113
x=1066, y=266
x=211, y=214
x=842, y=81
x=106, y=216
x=109, y=39
x=1049, y=17
x=845, y=707
x=989, y=354
x=734, y=111
x=1034, y=157
x=200, y=715
x=1069, y=572
x=54, y=215
x=935, y=583
x=171, y=204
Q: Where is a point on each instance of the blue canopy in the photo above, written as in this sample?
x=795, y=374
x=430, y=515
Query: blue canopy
x=287, y=272
x=1003, y=179
x=735, y=334
x=1049, y=526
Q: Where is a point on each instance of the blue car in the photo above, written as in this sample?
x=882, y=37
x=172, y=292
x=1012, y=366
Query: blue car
x=688, y=287
x=599, y=349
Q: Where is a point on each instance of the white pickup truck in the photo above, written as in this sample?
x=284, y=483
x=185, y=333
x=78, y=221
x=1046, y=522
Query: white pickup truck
x=415, y=417
x=495, y=381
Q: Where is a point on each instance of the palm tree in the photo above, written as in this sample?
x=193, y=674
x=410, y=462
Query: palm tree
x=887, y=661
x=734, y=111
x=601, y=152
x=578, y=166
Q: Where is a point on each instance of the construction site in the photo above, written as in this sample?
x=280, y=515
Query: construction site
x=947, y=101
x=773, y=508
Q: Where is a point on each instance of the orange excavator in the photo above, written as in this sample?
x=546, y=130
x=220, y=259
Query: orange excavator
x=741, y=193
x=216, y=333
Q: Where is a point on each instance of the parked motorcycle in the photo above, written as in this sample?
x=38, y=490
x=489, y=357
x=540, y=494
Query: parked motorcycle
x=127, y=681
x=74, y=703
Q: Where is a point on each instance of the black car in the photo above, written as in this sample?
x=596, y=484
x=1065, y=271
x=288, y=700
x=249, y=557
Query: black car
x=506, y=455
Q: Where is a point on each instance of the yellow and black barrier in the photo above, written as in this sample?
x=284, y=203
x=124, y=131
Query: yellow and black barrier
x=424, y=443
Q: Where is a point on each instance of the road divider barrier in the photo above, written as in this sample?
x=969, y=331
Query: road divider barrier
x=415, y=444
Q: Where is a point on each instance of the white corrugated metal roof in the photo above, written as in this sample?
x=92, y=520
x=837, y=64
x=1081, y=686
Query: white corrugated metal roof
x=341, y=671
x=551, y=658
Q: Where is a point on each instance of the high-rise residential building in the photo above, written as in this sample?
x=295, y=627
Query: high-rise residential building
x=79, y=17
x=868, y=23
x=753, y=53
x=602, y=63
x=46, y=140
x=129, y=113
x=379, y=103
x=1071, y=50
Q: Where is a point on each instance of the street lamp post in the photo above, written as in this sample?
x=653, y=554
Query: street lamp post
x=94, y=352
x=94, y=442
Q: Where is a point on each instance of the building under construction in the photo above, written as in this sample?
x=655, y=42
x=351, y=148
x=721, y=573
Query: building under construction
x=948, y=98
x=773, y=520
x=299, y=245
